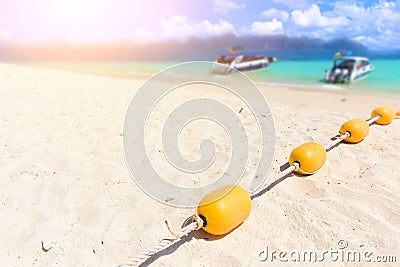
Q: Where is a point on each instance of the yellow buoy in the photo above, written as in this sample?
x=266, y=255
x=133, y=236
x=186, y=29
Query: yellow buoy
x=398, y=113
x=357, y=128
x=387, y=115
x=224, y=209
x=310, y=156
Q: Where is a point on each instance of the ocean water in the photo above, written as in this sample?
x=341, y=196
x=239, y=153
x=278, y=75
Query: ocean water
x=302, y=68
x=385, y=77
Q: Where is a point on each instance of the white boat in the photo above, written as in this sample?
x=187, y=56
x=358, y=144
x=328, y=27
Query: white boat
x=227, y=65
x=348, y=69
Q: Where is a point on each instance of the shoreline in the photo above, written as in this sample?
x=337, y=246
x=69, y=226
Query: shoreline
x=330, y=89
x=146, y=75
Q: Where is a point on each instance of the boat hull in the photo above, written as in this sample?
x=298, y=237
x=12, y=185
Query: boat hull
x=253, y=65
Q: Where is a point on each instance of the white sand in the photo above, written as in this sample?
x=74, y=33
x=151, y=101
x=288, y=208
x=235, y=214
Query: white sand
x=64, y=182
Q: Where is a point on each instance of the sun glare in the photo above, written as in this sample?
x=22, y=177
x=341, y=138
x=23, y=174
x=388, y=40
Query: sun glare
x=88, y=21
x=79, y=20
x=83, y=21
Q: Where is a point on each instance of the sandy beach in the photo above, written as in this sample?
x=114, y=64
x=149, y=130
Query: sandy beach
x=67, y=197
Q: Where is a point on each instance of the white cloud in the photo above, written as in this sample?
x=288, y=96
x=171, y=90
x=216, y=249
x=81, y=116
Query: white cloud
x=381, y=12
x=312, y=17
x=179, y=27
x=267, y=28
x=223, y=6
x=293, y=3
x=377, y=25
x=366, y=39
x=273, y=13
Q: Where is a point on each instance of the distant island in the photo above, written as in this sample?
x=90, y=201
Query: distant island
x=192, y=49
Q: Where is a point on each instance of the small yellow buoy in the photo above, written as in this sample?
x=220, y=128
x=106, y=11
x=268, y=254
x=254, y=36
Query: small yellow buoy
x=357, y=128
x=224, y=209
x=310, y=156
x=387, y=115
x=398, y=113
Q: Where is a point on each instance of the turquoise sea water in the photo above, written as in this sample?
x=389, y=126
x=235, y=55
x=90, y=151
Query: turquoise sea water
x=385, y=77
x=304, y=68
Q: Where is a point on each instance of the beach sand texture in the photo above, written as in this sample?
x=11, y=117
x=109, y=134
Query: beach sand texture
x=67, y=198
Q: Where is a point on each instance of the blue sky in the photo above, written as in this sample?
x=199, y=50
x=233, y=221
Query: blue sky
x=375, y=23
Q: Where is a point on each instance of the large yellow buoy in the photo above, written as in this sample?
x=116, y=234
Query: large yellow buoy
x=357, y=128
x=387, y=115
x=222, y=212
x=310, y=156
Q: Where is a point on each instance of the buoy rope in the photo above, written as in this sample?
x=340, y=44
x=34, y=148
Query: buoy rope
x=197, y=223
x=274, y=180
x=337, y=140
x=374, y=119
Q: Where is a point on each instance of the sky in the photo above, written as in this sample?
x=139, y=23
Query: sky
x=374, y=23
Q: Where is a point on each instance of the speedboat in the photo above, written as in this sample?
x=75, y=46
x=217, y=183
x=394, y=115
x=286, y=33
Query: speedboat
x=347, y=69
x=241, y=62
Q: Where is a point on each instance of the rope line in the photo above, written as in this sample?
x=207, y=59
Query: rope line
x=374, y=119
x=164, y=243
x=337, y=140
x=267, y=184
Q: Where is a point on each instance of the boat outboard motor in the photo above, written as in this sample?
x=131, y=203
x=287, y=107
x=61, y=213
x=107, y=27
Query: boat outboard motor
x=345, y=73
x=339, y=75
x=336, y=74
